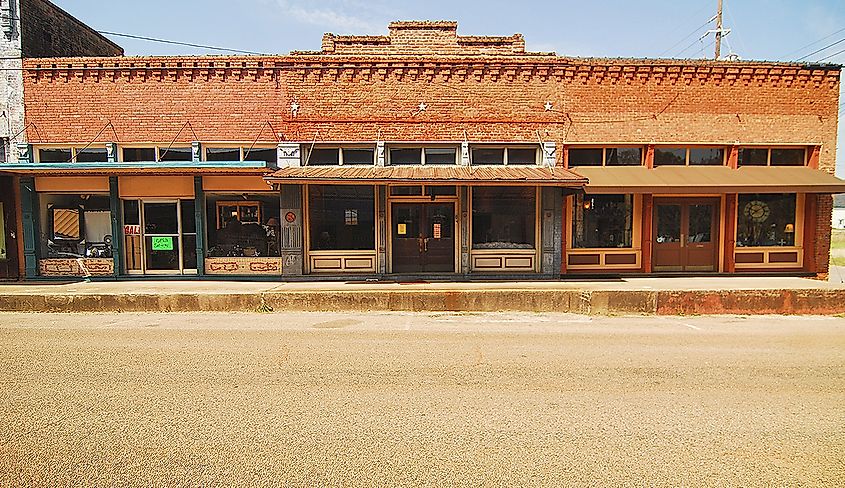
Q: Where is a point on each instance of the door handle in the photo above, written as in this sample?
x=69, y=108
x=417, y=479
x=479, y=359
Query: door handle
x=682, y=240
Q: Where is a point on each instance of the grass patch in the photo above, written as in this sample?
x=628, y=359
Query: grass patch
x=837, y=239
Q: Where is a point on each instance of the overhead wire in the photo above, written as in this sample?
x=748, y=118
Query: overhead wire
x=691, y=33
x=180, y=43
x=840, y=41
x=837, y=53
x=813, y=43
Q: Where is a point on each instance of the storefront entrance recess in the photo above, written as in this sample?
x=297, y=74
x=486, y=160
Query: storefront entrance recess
x=423, y=237
x=685, y=234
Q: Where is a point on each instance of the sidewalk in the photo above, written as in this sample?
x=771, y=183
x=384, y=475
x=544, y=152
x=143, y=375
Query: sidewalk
x=660, y=296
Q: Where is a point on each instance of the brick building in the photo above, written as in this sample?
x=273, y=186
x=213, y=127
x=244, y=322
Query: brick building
x=424, y=152
x=30, y=29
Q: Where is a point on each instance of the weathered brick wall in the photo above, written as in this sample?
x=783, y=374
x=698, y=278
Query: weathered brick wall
x=426, y=38
x=48, y=30
x=149, y=99
x=824, y=215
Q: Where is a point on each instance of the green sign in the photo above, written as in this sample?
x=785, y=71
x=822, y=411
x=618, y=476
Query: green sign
x=162, y=243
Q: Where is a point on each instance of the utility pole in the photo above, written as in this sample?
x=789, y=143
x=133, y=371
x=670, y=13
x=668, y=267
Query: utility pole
x=718, y=30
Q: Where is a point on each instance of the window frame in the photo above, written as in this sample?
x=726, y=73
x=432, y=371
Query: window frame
x=768, y=150
x=422, y=148
x=307, y=230
x=688, y=150
x=636, y=225
x=536, y=249
x=74, y=149
x=604, y=150
x=798, y=223
x=306, y=154
x=157, y=147
x=506, y=154
x=242, y=147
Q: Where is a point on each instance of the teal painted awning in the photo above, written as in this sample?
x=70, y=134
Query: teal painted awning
x=136, y=167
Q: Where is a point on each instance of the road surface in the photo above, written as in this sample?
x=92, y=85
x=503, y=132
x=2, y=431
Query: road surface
x=421, y=399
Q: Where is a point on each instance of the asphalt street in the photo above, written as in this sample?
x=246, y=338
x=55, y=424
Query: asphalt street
x=400, y=399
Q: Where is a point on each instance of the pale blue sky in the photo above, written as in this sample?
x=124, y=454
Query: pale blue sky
x=762, y=29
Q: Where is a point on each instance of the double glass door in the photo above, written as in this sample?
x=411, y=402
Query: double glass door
x=685, y=235
x=160, y=236
x=423, y=237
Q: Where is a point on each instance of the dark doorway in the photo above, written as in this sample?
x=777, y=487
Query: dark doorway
x=8, y=230
x=423, y=237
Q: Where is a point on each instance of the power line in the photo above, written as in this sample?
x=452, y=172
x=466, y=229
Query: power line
x=179, y=43
x=813, y=43
x=822, y=49
x=837, y=53
x=697, y=29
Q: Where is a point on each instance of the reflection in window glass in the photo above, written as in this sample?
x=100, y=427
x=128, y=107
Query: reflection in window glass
x=488, y=156
x=329, y=211
x=602, y=221
x=359, y=156
x=522, y=156
x=440, y=155
x=406, y=156
x=668, y=223
x=766, y=220
x=670, y=156
x=503, y=217
x=136, y=154
x=92, y=155
x=222, y=154
x=624, y=156
x=268, y=155
x=243, y=225
x=787, y=157
x=585, y=157
x=397, y=191
x=54, y=155
x=706, y=156
x=75, y=226
x=700, y=225
x=175, y=154
x=324, y=157
x=753, y=157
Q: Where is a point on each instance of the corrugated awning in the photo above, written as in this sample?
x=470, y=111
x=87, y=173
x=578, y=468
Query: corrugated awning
x=490, y=175
x=709, y=179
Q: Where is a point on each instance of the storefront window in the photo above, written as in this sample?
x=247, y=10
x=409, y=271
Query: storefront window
x=603, y=221
x=75, y=226
x=342, y=217
x=766, y=220
x=503, y=217
x=2, y=233
x=239, y=225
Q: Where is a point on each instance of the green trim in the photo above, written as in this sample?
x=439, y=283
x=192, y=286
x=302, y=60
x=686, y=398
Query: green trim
x=141, y=165
x=116, y=226
x=29, y=221
x=199, y=215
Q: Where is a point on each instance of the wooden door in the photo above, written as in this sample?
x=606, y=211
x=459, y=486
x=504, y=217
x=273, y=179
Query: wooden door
x=423, y=237
x=685, y=234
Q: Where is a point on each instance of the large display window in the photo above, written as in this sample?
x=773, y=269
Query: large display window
x=75, y=226
x=341, y=217
x=603, y=221
x=243, y=225
x=766, y=220
x=504, y=217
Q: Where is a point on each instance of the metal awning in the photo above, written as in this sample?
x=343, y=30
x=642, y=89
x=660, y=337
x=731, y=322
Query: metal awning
x=709, y=179
x=136, y=168
x=488, y=175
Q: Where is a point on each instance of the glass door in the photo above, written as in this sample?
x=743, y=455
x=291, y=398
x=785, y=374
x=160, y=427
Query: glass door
x=685, y=235
x=423, y=237
x=162, y=247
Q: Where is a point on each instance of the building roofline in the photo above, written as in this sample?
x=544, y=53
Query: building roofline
x=83, y=25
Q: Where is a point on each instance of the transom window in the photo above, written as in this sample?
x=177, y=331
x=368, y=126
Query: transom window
x=156, y=153
x=772, y=156
x=339, y=156
x=80, y=154
x=242, y=153
x=508, y=155
x=423, y=155
x=606, y=156
x=689, y=156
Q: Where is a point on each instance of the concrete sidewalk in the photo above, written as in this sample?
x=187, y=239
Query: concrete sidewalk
x=660, y=296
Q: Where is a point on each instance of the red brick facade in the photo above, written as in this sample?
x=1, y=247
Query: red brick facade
x=478, y=89
x=47, y=30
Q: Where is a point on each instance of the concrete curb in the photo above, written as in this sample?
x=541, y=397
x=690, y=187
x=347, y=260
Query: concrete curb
x=596, y=302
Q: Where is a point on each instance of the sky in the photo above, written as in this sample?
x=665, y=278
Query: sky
x=760, y=29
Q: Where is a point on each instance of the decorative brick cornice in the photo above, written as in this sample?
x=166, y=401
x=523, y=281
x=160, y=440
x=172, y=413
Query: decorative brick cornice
x=558, y=69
